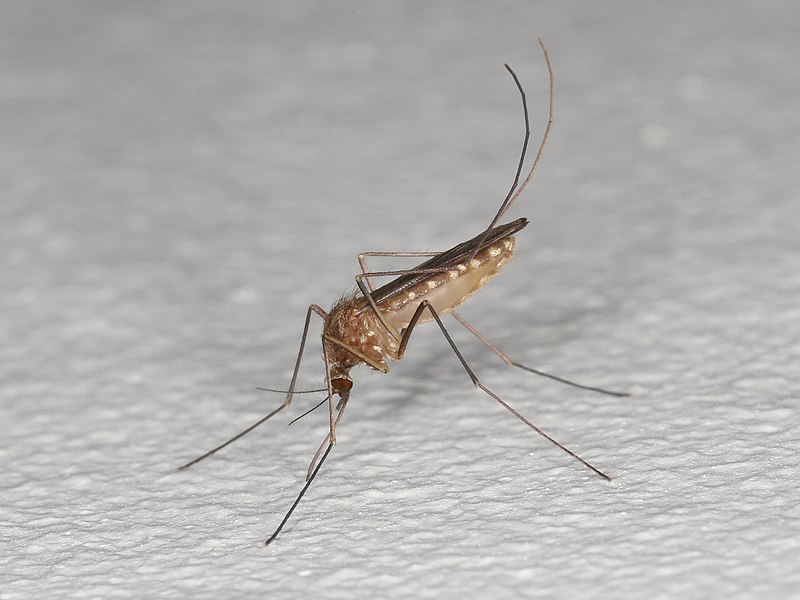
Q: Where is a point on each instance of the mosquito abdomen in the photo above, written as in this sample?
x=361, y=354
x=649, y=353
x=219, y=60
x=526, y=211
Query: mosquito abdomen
x=449, y=289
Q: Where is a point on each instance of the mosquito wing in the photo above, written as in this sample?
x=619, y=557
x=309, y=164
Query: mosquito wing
x=447, y=259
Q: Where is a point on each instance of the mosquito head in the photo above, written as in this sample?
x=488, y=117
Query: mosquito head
x=341, y=382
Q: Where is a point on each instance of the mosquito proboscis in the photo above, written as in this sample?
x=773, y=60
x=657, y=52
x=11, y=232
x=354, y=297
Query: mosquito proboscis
x=373, y=324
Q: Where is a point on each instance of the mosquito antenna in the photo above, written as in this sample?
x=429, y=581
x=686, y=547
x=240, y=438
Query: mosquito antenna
x=309, y=411
x=233, y=439
x=510, y=200
x=300, y=495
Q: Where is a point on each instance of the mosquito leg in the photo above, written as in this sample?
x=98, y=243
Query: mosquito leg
x=315, y=309
x=514, y=193
x=313, y=468
x=371, y=301
x=444, y=261
x=300, y=495
x=477, y=383
x=311, y=309
x=362, y=261
x=263, y=389
x=309, y=411
x=361, y=277
x=511, y=362
x=366, y=275
x=515, y=190
x=340, y=412
x=233, y=439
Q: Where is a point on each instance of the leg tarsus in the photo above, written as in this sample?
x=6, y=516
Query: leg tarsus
x=289, y=393
x=407, y=335
x=331, y=439
x=542, y=433
x=568, y=382
x=512, y=363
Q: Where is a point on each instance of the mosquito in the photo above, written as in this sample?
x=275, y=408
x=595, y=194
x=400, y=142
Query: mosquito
x=373, y=325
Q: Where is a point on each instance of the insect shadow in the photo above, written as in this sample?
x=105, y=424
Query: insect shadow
x=374, y=324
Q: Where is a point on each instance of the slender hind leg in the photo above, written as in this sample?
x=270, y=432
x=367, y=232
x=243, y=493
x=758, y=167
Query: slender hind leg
x=366, y=273
x=362, y=261
x=511, y=196
x=511, y=362
x=311, y=310
x=477, y=383
x=300, y=495
x=339, y=412
x=327, y=445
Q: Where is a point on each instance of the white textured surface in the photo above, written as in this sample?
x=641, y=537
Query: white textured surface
x=181, y=181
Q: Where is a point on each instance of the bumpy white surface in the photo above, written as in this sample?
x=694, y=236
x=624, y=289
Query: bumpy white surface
x=181, y=181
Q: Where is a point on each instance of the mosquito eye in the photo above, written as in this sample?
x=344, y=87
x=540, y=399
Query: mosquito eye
x=341, y=384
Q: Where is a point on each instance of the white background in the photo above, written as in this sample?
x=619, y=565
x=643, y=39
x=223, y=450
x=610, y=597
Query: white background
x=180, y=181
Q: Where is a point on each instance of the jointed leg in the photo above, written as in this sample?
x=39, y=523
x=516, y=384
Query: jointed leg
x=508, y=360
x=339, y=412
x=313, y=469
x=362, y=262
x=515, y=191
x=332, y=430
x=367, y=288
x=323, y=315
x=361, y=277
x=311, y=309
x=365, y=272
x=476, y=382
x=300, y=495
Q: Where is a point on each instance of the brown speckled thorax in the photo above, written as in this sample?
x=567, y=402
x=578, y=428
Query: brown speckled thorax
x=353, y=325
